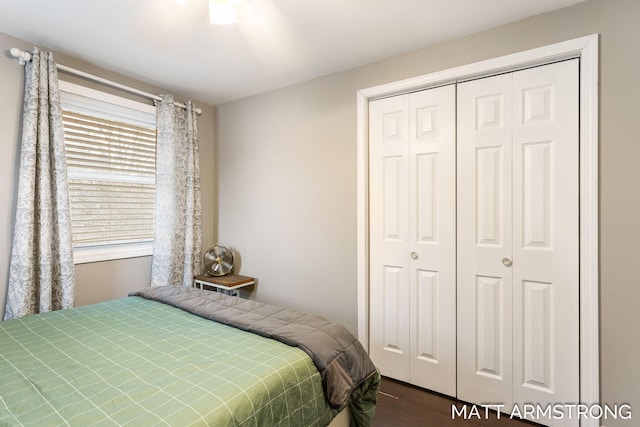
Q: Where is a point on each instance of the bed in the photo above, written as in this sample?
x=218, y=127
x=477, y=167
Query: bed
x=180, y=356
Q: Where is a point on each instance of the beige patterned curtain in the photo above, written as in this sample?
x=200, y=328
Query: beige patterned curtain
x=176, y=249
x=41, y=275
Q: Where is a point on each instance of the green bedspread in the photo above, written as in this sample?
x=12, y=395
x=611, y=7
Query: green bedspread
x=141, y=363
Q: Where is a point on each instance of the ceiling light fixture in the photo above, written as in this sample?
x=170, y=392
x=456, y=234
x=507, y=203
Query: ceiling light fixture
x=223, y=12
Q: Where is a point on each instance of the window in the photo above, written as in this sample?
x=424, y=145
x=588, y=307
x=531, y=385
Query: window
x=110, y=146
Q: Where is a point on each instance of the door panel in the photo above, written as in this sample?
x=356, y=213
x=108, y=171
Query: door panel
x=426, y=192
x=484, y=240
x=393, y=335
x=393, y=169
x=389, y=233
x=536, y=194
x=545, y=210
x=489, y=321
x=427, y=325
x=490, y=196
x=536, y=335
x=432, y=201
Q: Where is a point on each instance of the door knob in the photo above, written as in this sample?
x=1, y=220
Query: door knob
x=507, y=262
x=414, y=255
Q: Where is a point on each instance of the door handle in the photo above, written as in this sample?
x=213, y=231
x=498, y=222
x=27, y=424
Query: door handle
x=507, y=262
x=414, y=255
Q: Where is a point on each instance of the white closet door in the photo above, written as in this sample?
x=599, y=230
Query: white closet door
x=545, y=257
x=412, y=237
x=432, y=205
x=389, y=345
x=518, y=244
x=485, y=240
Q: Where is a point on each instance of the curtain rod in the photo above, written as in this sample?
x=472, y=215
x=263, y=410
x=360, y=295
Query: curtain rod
x=23, y=57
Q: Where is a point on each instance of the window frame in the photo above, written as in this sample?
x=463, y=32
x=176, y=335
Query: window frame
x=110, y=251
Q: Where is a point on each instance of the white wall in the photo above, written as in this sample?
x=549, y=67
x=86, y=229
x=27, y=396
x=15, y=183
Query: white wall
x=287, y=177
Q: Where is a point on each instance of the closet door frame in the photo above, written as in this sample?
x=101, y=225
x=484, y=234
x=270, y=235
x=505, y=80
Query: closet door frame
x=585, y=48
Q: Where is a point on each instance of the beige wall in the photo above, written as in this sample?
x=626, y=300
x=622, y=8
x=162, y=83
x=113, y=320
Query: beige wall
x=99, y=281
x=287, y=177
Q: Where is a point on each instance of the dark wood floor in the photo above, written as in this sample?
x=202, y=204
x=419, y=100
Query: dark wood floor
x=403, y=405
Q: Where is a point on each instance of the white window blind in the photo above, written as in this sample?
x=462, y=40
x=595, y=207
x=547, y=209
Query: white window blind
x=111, y=150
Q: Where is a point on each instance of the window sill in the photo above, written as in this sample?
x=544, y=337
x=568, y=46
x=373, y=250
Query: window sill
x=83, y=255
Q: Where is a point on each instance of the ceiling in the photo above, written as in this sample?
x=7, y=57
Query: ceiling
x=276, y=43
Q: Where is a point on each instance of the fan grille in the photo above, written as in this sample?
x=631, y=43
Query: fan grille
x=218, y=260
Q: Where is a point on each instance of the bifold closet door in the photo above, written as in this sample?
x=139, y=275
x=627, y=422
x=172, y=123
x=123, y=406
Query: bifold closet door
x=412, y=237
x=485, y=290
x=518, y=320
